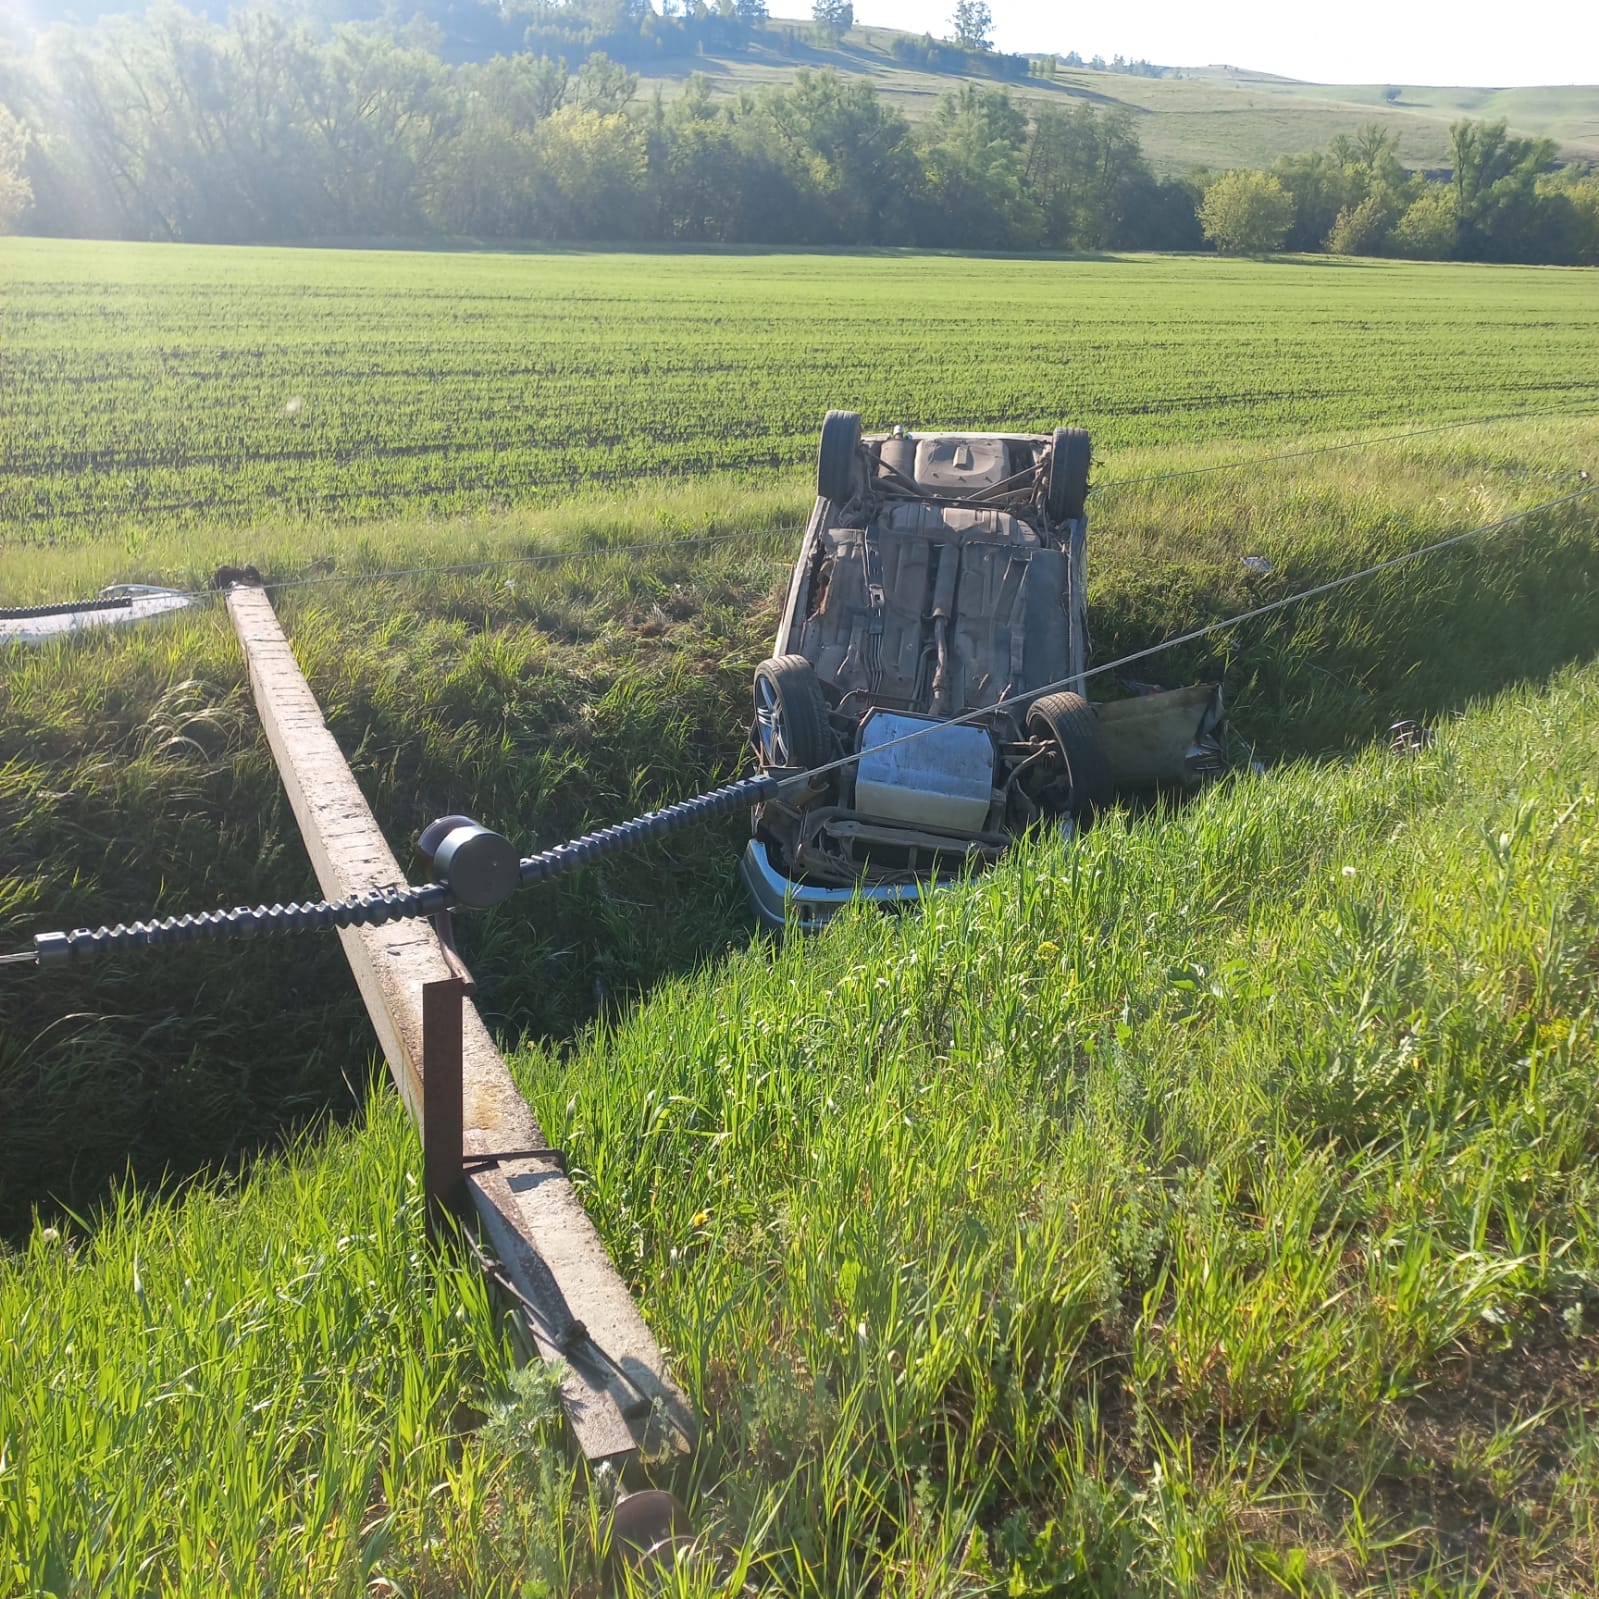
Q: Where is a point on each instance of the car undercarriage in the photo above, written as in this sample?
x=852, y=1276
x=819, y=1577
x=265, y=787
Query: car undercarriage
x=934, y=642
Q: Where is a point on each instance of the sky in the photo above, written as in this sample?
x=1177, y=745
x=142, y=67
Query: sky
x=1482, y=43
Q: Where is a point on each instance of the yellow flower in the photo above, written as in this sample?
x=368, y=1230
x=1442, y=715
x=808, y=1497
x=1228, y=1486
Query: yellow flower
x=701, y=1217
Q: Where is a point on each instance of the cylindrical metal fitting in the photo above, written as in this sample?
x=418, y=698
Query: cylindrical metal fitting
x=479, y=867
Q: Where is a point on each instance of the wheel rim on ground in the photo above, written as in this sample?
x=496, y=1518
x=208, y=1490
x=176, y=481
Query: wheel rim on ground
x=771, y=728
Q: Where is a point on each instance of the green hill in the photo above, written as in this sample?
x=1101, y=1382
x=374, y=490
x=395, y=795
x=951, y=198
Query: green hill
x=1210, y=116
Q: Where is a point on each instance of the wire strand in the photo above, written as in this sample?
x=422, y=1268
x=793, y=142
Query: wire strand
x=1193, y=635
x=1334, y=449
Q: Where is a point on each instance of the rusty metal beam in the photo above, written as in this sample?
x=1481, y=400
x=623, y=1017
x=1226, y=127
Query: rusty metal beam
x=443, y=1164
x=618, y=1394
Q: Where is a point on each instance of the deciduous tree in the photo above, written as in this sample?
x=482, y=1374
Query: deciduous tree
x=1246, y=213
x=1496, y=187
x=973, y=168
x=1426, y=231
x=16, y=193
x=1359, y=229
x=1317, y=184
x=973, y=23
x=833, y=19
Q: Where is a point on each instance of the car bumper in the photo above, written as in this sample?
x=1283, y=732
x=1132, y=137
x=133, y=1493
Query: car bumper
x=782, y=903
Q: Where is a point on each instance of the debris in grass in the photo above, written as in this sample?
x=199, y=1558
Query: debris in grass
x=1409, y=737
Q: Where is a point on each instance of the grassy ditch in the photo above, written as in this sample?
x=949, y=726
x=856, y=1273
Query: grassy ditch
x=548, y=696
x=1208, y=1207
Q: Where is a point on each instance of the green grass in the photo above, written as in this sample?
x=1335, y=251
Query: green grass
x=1206, y=1208
x=144, y=388
x=549, y=697
x=1208, y=117
x=134, y=778
x=1120, y=1222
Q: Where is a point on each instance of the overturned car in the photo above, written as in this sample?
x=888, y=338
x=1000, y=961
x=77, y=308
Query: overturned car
x=940, y=592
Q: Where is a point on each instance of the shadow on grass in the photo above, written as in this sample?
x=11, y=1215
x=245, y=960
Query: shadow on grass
x=467, y=245
x=175, y=1064
x=1337, y=263
x=1422, y=640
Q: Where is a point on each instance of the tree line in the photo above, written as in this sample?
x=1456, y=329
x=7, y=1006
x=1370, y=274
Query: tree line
x=1504, y=198
x=272, y=128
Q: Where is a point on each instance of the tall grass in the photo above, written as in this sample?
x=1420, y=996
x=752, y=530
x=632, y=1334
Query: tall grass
x=1205, y=1207
x=548, y=697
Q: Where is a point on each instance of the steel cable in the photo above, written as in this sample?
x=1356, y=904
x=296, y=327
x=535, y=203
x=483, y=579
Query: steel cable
x=398, y=903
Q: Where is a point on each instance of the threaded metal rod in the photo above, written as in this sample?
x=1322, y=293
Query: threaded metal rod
x=400, y=903
x=591, y=847
x=372, y=909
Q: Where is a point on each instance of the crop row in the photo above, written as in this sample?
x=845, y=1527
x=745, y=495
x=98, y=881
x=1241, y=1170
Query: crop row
x=232, y=381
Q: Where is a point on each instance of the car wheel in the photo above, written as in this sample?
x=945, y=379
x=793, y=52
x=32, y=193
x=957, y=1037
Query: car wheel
x=791, y=717
x=835, y=461
x=1068, y=475
x=1069, y=721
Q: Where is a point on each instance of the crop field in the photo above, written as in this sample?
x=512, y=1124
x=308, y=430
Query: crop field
x=140, y=385
x=1206, y=1207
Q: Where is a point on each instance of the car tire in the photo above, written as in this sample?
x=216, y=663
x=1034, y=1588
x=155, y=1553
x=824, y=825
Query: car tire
x=791, y=716
x=835, y=460
x=1069, y=720
x=1067, y=495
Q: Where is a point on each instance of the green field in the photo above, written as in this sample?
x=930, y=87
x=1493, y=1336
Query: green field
x=139, y=384
x=1205, y=1208
x=1208, y=117
x=1568, y=113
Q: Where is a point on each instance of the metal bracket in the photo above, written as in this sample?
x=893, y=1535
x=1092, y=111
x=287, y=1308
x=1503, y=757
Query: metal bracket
x=443, y=1164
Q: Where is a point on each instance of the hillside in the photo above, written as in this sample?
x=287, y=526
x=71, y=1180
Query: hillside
x=1208, y=117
